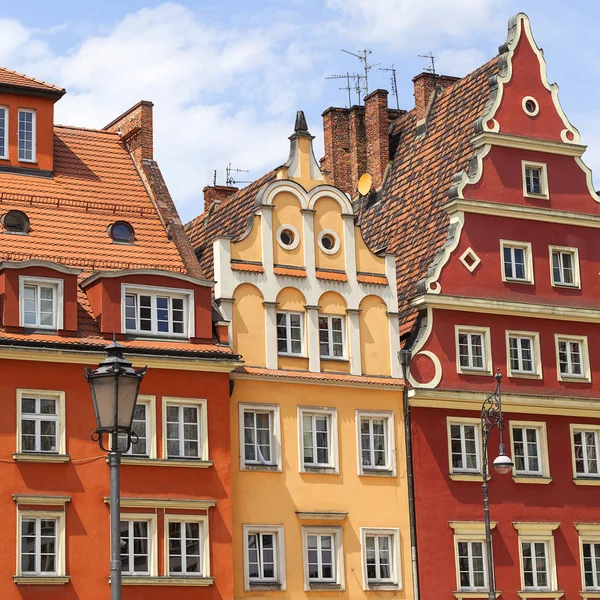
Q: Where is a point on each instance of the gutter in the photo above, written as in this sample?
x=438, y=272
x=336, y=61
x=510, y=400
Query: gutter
x=405, y=357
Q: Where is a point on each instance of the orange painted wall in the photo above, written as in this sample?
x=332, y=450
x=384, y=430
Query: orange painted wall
x=86, y=479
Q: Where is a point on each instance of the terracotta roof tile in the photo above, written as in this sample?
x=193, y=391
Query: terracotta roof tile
x=249, y=267
x=331, y=275
x=9, y=77
x=289, y=272
x=374, y=279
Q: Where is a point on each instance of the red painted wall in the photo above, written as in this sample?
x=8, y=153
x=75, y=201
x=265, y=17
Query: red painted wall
x=86, y=479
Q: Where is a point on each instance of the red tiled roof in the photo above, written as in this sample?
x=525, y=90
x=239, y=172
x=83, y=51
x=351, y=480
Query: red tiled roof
x=227, y=218
x=9, y=77
x=408, y=220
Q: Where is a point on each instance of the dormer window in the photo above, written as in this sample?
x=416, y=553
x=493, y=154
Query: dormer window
x=121, y=232
x=27, y=135
x=3, y=132
x=156, y=311
x=15, y=221
x=40, y=302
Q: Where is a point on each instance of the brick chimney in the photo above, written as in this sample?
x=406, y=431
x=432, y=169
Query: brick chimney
x=135, y=127
x=377, y=126
x=215, y=194
x=336, y=134
x=425, y=85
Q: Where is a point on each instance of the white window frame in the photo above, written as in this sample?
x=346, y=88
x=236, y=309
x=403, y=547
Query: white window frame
x=395, y=581
x=536, y=533
x=288, y=313
x=536, y=355
x=589, y=533
x=150, y=402
x=472, y=588
x=464, y=421
x=59, y=516
x=5, y=149
x=585, y=376
x=487, y=350
x=31, y=111
x=330, y=334
x=470, y=531
x=58, y=285
x=279, y=583
x=586, y=427
x=61, y=438
x=545, y=193
x=201, y=404
x=390, y=467
x=332, y=467
x=574, y=252
x=338, y=560
x=527, y=259
x=154, y=291
x=273, y=410
x=542, y=441
x=204, y=544
x=152, y=542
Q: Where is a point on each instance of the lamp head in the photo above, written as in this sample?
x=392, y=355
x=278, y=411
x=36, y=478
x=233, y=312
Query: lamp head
x=503, y=464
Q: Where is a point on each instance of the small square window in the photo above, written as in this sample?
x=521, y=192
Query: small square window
x=260, y=437
x=381, y=558
x=464, y=444
x=564, y=265
x=290, y=333
x=572, y=358
x=41, y=303
x=41, y=422
x=535, y=180
x=323, y=558
x=27, y=135
x=517, y=262
x=332, y=336
x=185, y=433
x=187, y=546
x=473, y=352
x=264, y=557
x=318, y=439
x=376, y=444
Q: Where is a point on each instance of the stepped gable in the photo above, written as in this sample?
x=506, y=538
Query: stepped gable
x=227, y=218
x=409, y=220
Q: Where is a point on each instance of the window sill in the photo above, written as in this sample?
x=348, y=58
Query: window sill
x=319, y=470
x=264, y=586
x=525, y=595
x=569, y=286
x=166, y=462
x=290, y=355
x=323, y=587
x=466, y=371
x=41, y=579
x=590, y=595
x=382, y=586
x=524, y=375
x=540, y=196
x=532, y=479
x=166, y=581
x=478, y=477
x=478, y=594
x=265, y=468
x=41, y=457
x=367, y=472
x=335, y=358
x=586, y=480
x=521, y=281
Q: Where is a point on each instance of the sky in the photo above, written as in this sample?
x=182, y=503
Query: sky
x=227, y=78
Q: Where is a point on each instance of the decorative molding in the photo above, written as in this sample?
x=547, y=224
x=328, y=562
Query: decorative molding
x=505, y=140
x=531, y=479
x=39, y=500
x=41, y=579
x=166, y=581
x=165, y=462
x=134, y=272
x=40, y=457
x=325, y=515
x=164, y=503
x=470, y=527
x=475, y=260
x=535, y=527
x=46, y=264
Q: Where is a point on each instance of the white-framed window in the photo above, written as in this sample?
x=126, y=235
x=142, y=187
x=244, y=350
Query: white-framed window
x=41, y=302
x=138, y=544
x=4, y=132
x=264, y=557
x=538, y=558
x=376, y=443
x=586, y=451
x=332, y=336
x=185, y=430
x=187, y=546
x=41, y=544
x=40, y=422
x=381, y=558
x=260, y=436
x=530, y=449
x=517, y=261
x=464, y=445
x=290, y=333
x=523, y=354
x=473, y=350
x=27, y=135
x=572, y=358
x=564, y=266
x=535, y=180
x=323, y=558
x=157, y=311
x=318, y=439
x=590, y=552
x=472, y=565
x=144, y=426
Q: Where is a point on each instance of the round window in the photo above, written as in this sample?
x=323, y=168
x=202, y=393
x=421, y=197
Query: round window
x=287, y=237
x=121, y=231
x=530, y=106
x=329, y=241
x=15, y=221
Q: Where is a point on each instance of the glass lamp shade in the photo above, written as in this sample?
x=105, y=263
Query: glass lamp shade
x=503, y=464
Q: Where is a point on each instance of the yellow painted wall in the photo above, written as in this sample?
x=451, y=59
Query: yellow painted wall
x=248, y=322
x=328, y=215
x=374, y=337
x=366, y=261
x=287, y=212
x=270, y=498
x=250, y=247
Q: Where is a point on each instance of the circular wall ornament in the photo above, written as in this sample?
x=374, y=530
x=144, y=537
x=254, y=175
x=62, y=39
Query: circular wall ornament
x=329, y=241
x=287, y=237
x=530, y=106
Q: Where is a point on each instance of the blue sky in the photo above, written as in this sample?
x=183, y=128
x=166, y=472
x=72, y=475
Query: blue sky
x=227, y=77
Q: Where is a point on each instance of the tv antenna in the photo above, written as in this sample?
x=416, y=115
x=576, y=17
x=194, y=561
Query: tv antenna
x=363, y=56
x=352, y=83
x=393, y=82
x=214, y=178
x=431, y=57
x=229, y=180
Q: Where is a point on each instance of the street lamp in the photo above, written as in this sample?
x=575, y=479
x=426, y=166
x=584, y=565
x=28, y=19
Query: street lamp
x=491, y=416
x=114, y=386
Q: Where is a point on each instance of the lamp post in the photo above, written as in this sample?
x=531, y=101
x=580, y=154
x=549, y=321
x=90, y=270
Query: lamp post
x=491, y=416
x=114, y=386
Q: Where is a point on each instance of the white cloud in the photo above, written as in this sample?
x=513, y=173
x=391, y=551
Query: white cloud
x=459, y=62
x=12, y=35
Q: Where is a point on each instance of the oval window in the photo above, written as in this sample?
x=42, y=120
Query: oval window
x=15, y=221
x=121, y=231
x=530, y=106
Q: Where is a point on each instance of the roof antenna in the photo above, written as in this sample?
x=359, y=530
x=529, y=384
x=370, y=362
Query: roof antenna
x=229, y=180
x=431, y=57
x=393, y=82
x=363, y=55
x=352, y=83
x=214, y=177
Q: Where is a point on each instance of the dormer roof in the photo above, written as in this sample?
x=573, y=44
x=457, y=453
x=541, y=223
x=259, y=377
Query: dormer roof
x=13, y=82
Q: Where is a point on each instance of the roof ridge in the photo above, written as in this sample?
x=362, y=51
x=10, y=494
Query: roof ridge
x=89, y=129
x=33, y=79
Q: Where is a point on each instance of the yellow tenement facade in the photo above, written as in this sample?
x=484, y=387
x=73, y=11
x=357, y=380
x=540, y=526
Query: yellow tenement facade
x=317, y=441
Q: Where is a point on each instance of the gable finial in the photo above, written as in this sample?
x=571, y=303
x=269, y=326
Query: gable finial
x=300, y=126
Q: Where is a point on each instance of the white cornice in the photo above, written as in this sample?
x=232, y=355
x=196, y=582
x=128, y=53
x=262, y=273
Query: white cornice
x=527, y=143
x=165, y=503
x=46, y=264
x=157, y=272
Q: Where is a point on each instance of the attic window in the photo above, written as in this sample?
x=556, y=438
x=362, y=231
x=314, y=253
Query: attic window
x=15, y=221
x=287, y=237
x=121, y=232
x=530, y=106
